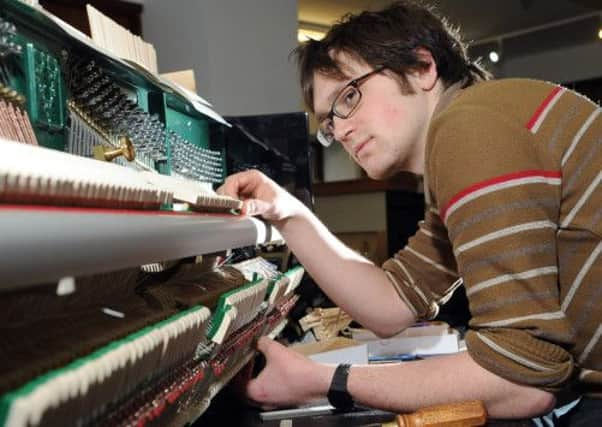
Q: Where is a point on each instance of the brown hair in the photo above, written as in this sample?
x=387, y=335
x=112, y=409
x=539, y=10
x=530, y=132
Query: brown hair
x=389, y=38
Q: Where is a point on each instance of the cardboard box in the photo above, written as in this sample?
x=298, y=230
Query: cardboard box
x=423, y=339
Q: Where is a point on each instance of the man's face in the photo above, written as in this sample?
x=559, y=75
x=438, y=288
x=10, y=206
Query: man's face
x=387, y=131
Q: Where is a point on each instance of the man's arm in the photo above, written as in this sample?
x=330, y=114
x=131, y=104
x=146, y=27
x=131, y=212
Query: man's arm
x=445, y=379
x=355, y=284
x=290, y=378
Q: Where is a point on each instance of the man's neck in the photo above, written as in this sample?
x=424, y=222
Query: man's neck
x=434, y=98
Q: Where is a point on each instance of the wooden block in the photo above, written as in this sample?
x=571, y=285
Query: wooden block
x=184, y=78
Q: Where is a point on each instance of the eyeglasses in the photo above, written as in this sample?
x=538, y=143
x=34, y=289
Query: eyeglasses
x=343, y=106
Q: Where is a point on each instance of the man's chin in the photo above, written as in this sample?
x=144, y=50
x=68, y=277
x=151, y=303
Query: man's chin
x=378, y=175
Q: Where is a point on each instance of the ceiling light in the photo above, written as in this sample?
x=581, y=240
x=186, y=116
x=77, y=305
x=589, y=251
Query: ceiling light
x=304, y=34
x=495, y=54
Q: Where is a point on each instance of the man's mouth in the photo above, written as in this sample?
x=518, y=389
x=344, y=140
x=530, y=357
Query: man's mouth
x=361, y=146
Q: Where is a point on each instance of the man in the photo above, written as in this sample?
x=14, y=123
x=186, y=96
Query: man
x=512, y=184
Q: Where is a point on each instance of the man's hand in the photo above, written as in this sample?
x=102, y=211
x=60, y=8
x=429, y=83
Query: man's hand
x=288, y=377
x=352, y=282
x=261, y=196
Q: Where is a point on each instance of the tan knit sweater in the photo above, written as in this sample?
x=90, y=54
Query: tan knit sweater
x=514, y=208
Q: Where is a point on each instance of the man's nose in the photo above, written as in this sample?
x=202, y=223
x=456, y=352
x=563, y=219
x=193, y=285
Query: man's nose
x=343, y=128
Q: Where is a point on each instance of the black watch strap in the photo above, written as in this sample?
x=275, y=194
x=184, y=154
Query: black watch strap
x=338, y=396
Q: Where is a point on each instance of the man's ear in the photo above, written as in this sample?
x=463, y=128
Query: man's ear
x=426, y=78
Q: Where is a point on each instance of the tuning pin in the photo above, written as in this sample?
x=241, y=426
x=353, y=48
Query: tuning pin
x=126, y=149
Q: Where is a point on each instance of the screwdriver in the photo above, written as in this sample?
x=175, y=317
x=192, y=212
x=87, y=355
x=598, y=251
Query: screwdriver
x=464, y=414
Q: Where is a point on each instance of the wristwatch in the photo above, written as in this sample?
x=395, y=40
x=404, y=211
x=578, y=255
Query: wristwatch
x=338, y=395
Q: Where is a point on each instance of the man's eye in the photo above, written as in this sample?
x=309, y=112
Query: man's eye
x=350, y=98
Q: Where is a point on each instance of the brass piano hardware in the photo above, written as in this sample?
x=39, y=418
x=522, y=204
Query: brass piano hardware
x=11, y=95
x=126, y=149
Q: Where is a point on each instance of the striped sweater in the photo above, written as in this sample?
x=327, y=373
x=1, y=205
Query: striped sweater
x=514, y=208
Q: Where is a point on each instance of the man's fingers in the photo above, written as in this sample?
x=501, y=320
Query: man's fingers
x=230, y=187
x=240, y=183
x=248, y=207
x=263, y=343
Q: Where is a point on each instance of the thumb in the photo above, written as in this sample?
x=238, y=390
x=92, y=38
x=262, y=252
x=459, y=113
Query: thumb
x=253, y=389
x=258, y=394
x=263, y=343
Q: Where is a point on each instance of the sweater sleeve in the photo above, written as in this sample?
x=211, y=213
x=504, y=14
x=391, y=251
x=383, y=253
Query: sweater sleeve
x=424, y=272
x=499, y=200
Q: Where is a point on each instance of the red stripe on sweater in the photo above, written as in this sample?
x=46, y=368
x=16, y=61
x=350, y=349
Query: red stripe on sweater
x=495, y=181
x=543, y=106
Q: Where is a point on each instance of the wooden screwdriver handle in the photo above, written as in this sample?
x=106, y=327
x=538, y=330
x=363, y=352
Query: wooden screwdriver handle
x=463, y=414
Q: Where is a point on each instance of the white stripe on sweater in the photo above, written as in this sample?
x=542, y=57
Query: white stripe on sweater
x=420, y=294
x=401, y=293
x=434, y=210
x=432, y=236
x=586, y=373
x=512, y=356
x=404, y=270
x=579, y=278
x=591, y=344
x=547, y=110
x=588, y=192
x=497, y=187
x=431, y=262
x=416, y=289
x=538, y=316
x=579, y=134
x=536, y=225
x=529, y=274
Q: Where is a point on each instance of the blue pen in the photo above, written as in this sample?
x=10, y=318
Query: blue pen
x=394, y=357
